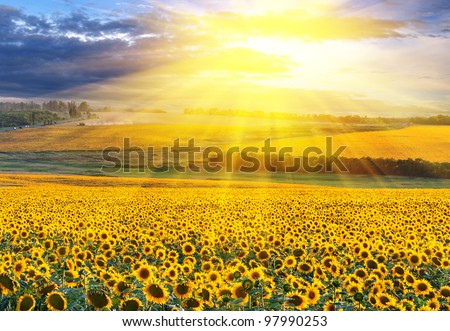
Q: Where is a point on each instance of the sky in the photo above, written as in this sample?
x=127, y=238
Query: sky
x=365, y=57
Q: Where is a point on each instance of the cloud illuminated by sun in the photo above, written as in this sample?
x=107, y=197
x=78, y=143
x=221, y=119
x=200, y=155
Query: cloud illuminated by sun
x=345, y=56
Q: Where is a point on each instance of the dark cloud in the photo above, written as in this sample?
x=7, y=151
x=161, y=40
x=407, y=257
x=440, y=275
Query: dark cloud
x=46, y=54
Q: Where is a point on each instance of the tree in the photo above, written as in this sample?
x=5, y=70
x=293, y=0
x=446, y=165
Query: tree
x=84, y=107
x=73, y=110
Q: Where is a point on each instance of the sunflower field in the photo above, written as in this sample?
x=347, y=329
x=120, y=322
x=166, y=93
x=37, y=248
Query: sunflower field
x=149, y=245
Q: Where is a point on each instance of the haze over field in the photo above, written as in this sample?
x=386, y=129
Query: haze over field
x=328, y=56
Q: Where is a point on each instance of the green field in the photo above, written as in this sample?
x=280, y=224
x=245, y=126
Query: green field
x=90, y=163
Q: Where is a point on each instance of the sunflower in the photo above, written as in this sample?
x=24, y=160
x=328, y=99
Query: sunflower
x=329, y=306
x=187, y=269
x=256, y=274
x=207, y=296
x=183, y=290
x=298, y=252
x=239, y=292
x=48, y=245
x=414, y=259
x=398, y=270
x=353, y=288
x=167, y=264
x=371, y=264
x=131, y=304
x=422, y=287
x=297, y=300
x=263, y=255
x=434, y=304
x=385, y=300
x=328, y=261
x=188, y=249
x=436, y=261
x=312, y=295
x=56, y=301
x=409, y=278
x=7, y=285
x=336, y=270
x=121, y=287
x=171, y=274
x=160, y=254
x=290, y=262
x=361, y=273
x=193, y=304
x=62, y=251
x=127, y=259
x=408, y=305
x=156, y=292
x=319, y=272
x=147, y=250
x=207, y=266
x=26, y=303
x=100, y=261
x=99, y=299
x=144, y=273
x=445, y=292
x=224, y=292
x=45, y=289
x=103, y=235
x=242, y=268
x=364, y=254
x=19, y=267
x=304, y=267
x=72, y=278
x=213, y=277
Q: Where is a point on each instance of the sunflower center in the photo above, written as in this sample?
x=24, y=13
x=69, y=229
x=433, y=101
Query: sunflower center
x=422, y=287
x=372, y=264
x=6, y=282
x=182, y=289
x=384, y=300
x=122, y=286
x=98, y=300
x=130, y=305
x=304, y=267
x=240, y=292
x=297, y=300
x=193, y=303
x=144, y=273
x=56, y=301
x=156, y=291
x=26, y=304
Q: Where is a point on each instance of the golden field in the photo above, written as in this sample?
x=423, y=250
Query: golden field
x=80, y=243
x=430, y=143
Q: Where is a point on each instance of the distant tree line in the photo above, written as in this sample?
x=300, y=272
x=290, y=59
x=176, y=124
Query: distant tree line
x=15, y=106
x=362, y=166
x=349, y=119
x=394, y=167
x=434, y=120
x=57, y=106
x=27, y=117
x=30, y=113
